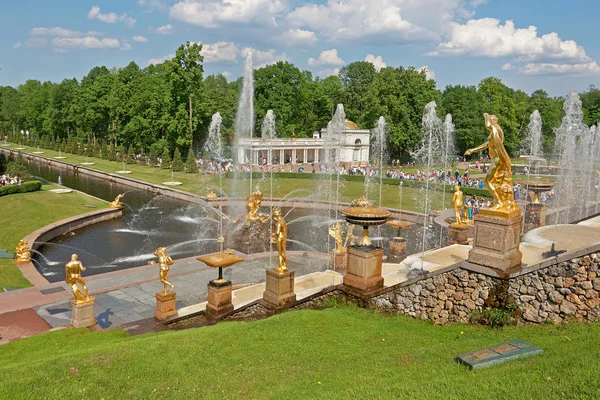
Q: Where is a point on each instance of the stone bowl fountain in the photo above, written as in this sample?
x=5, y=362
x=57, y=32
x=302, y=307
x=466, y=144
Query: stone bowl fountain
x=537, y=188
x=364, y=214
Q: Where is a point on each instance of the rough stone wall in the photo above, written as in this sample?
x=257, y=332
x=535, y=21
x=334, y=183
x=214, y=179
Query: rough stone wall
x=568, y=290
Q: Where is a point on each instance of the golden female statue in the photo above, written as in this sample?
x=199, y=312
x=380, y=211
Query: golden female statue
x=499, y=176
x=280, y=237
x=336, y=232
x=22, y=252
x=73, y=270
x=116, y=203
x=457, y=202
x=164, y=261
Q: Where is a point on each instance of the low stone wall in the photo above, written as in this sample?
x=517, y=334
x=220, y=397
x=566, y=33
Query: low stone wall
x=558, y=292
x=49, y=232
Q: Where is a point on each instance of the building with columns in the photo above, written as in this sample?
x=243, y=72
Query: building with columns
x=354, y=148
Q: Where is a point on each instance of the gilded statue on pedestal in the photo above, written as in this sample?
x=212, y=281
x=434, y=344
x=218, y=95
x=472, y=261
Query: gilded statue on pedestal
x=280, y=237
x=254, y=201
x=499, y=176
x=458, y=203
x=22, y=252
x=73, y=270
x=336, y=231
x=164, y=261
x=116, y=203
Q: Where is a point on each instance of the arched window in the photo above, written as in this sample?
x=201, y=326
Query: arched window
x=357, y=141
x=357, y=153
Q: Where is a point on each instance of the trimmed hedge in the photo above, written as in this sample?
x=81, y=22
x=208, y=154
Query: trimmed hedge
x=468, y=191
x=25, y=187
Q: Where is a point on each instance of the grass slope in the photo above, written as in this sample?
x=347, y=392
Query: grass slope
x=23, y=213
x=341, y=352
x=412, y=198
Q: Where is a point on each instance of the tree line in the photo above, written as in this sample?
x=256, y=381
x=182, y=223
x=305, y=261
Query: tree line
x=167, y=107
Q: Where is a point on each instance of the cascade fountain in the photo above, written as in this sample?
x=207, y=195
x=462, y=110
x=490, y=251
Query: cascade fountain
x=448, y=151
x=214, y=147
x=532, y=145
x=244, y=123
x=429, y=152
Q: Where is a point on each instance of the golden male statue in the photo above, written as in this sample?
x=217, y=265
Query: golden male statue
x=499, y=176
x=254, y=201
x=280, y=238
x=164, y=261
x=457, y=202
x=335, y=232
x=73, y=270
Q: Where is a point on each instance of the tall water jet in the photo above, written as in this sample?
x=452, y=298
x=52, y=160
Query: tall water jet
x=268, y=133
x=448, y=152
x=214, y=147
x=532, y=145
x=244, y=121
x=430, y=151
x=379, y=154
x=569, y=138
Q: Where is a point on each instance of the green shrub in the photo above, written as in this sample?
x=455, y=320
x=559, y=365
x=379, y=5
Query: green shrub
x=190, y=165
x=112, y=153
x=494, y=317
x=130, y=155
x=153, y=156
x=18, y=167
x=25, y=187
x=177, y=164
x=166, y=159
x=103, y=151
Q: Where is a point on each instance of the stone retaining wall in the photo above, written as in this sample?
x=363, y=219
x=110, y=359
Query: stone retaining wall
x=559, y=292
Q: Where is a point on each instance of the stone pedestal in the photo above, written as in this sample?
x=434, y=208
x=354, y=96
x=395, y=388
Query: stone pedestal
x=337, y=261
x=363, y=269
x=82, y=315
x=165, y=305
x=535, y=216
x=458, y=233
x=279, y=289
x=397, y=250
x=496, y=242
x=219, y=299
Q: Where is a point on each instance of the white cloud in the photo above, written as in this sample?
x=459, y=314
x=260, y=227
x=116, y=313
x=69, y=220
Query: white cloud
x=163, y=30
x=219, y=52
x=226, y=74
x=55, y=31
x=263, y=58
x=88, y=42
x=429, y=74
x=299, y=37
x=111, y=17
x=140, y=39
x=215, y=13
x=126, y=46
x=545, y=54
x=161, y=60
x=32, y=42
x=328, y=72
x=387, y=20
x=327, y=57
x=17, y=45
x=150, y=5
x=376, y=61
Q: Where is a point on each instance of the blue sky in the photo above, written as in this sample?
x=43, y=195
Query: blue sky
x=529, y=44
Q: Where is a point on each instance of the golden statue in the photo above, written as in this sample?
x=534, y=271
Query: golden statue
x=293, y=135
x=350, y=238
x=22, y=252
x=116, y=203
x=361, y=202
x=73, y=270
x=164, y=261
x=499, y=176
x=280, y=237
x=336, y=232
x=210, y=194
x=458, y=203
x=254, y=201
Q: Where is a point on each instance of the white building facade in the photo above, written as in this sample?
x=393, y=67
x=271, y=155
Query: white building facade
x=354, y=148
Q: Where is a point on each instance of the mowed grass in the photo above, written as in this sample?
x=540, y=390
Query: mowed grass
x=341, y=352
x=412, y=198
x=23, y=213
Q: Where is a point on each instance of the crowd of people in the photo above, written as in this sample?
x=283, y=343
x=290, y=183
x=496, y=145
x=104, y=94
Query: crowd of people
x=6, y=180
x=439, y=176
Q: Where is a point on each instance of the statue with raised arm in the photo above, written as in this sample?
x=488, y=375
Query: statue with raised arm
x=164, y=261
x=116, y=203
x=73, y=270
x=254, y=201
x=499, y=176
x=350, y=237
x=280, y=238
x=22, y=252
x=335, y=232
x=458, y=203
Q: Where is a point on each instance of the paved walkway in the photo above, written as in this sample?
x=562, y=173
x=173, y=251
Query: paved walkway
x=126, y=297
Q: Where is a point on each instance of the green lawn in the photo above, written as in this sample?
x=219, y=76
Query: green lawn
x=412, y=198
x=23, y=213
x=339, y=352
